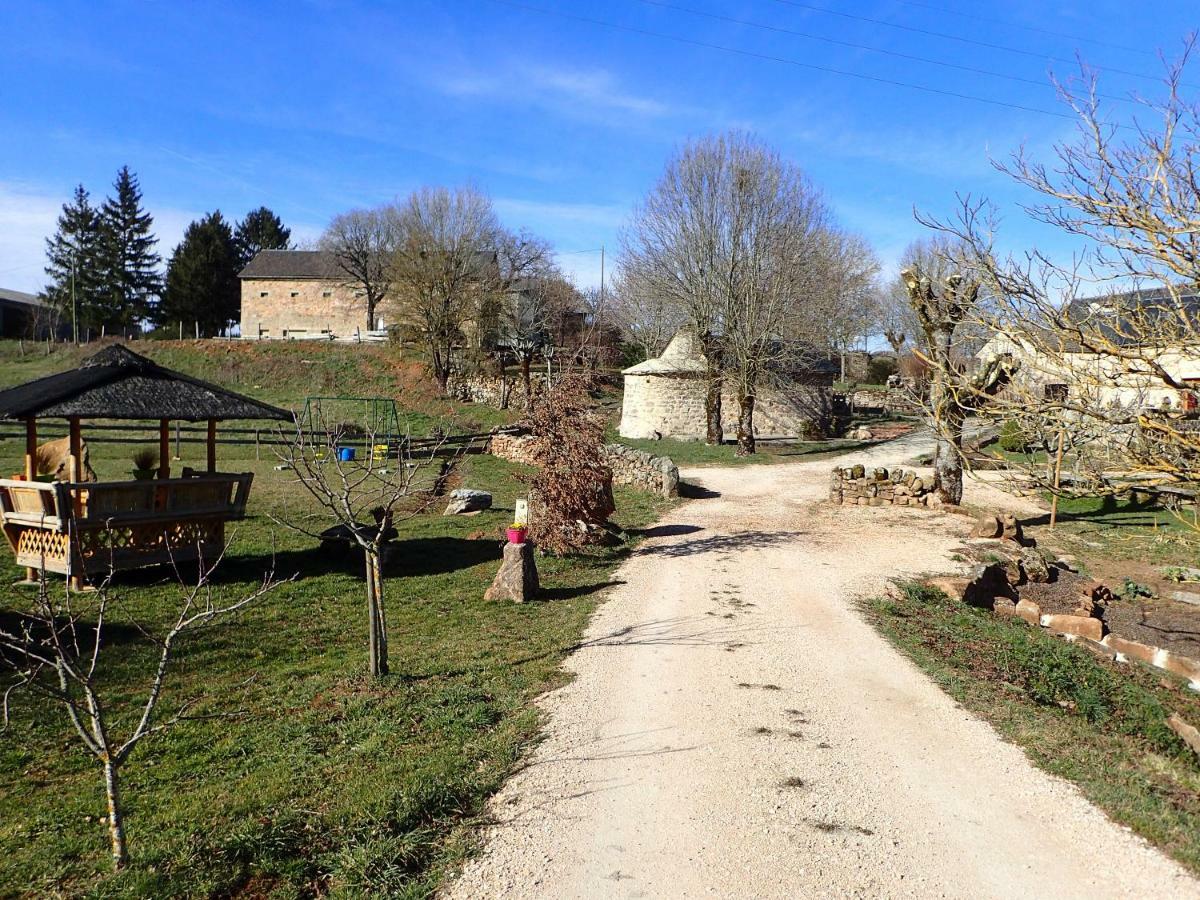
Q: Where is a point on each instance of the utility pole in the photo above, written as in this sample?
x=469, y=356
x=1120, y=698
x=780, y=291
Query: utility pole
x=74, y=307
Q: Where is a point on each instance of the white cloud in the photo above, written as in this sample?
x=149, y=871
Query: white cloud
x=577, y=92
x=531, y=212
x=26, y=218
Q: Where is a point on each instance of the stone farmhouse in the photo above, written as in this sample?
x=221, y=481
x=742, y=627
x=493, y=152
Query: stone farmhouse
x=664, y=397
x=301, y=294
x=1135, y=324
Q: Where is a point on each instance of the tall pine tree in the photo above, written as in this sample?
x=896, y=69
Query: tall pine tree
x=129, y=264
x=260, y=230
x=202, y=285
x=75, y=267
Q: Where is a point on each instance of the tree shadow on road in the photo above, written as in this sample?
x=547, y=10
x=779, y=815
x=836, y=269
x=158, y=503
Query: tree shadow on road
x=718, y=543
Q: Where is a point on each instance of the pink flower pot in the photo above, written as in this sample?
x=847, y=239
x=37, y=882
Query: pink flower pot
x=517, y=535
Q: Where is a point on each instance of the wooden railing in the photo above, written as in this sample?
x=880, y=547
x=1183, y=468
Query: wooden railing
x=96, y=526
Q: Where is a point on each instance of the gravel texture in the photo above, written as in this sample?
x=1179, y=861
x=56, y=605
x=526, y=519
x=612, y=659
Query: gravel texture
x=736, y=730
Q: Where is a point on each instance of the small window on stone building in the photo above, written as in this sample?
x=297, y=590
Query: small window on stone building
x=295, y=293
x=326, y=293
x=264, y=293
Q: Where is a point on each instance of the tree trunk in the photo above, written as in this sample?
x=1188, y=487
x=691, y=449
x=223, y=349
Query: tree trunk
x=714, y=434
x=116, y=817
x=948, y=419
x=526, y=362
x=745, y=429
x=376, y=627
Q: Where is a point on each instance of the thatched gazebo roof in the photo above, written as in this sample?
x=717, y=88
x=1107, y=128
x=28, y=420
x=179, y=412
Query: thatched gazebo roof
x=117, y=383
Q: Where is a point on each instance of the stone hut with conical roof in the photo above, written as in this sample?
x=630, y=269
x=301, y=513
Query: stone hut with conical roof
x=664, y=397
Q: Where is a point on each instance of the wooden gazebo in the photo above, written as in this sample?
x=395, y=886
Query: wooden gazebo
x=78, y=527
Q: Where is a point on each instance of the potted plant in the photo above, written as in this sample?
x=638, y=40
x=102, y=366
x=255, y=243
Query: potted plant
x=145, y=462
x=517, y=532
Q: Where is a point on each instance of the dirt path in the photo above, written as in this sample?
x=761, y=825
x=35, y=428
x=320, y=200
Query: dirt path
x=736, y=730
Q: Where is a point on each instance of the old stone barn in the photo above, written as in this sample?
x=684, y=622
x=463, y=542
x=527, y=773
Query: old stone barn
x=664, y=397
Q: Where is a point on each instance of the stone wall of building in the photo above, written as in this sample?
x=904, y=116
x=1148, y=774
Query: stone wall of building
x=672, y=406
x=658, y=406
x=303, y=308
x=857, y=485
x=637, y=468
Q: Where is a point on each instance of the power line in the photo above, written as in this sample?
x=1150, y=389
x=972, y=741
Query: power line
x=1008, y=23
x=963, y=40
x=829, y=70
x=1042, y=83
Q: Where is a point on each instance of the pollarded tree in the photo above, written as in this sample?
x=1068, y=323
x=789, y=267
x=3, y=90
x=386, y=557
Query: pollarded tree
x=946, y=294
x=74, y=263
x=260, y=230
x=129, y=265
x=202, y=287
x=1104, y=339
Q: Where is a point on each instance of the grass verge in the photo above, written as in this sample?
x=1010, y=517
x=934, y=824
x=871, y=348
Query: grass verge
x=1097, y=724
x=325, y=783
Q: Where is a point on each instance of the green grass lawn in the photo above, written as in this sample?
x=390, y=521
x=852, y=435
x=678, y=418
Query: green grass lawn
x=1100, y=725
x=324, y=782
x=283, y=373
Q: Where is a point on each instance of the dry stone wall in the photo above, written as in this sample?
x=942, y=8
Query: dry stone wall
x=859, y=486
x=636, y=468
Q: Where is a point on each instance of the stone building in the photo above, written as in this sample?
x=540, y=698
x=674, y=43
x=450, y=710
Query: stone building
x=300, y=294
x=664, y=397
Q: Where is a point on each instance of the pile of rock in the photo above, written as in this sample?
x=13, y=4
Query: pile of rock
x=857, y=485
x=643, y=470
x=516, y=448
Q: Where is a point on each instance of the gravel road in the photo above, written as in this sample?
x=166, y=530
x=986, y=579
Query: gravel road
x=736, y=730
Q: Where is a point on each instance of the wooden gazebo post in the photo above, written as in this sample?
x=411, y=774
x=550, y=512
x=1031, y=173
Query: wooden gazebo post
x=31, y=575
x=164, y=448
x=212, y=446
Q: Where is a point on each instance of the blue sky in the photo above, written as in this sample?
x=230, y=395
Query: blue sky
x=315, y=107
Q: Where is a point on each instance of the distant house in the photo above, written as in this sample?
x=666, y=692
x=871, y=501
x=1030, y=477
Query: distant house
x=21, y=315
x=300, y=294
x=1126, y=337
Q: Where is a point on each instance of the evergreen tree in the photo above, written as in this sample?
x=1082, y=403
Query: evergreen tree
x=260, y=230
x=202, y=285
x=130, y=267
x=73, y=255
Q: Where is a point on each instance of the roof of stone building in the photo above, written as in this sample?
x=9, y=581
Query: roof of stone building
x=117, y=383
x=292, y=265
x=685, y=357
x=20, y=297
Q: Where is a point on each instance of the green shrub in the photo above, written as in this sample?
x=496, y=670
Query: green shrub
x=1012, y=438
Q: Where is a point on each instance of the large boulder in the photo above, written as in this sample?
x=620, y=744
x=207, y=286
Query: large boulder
x=465, y=500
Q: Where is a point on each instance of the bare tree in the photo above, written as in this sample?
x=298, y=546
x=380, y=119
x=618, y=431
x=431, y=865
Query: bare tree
x=455, y=267
x=945, y=292
x=362, y=242
x=847, y=297
x=364, y=497
x=56, y=651
x=729, y=236
x=645, y=317
x=1104, y=342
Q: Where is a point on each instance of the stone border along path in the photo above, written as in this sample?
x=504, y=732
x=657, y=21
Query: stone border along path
x=736, y=729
